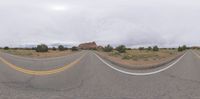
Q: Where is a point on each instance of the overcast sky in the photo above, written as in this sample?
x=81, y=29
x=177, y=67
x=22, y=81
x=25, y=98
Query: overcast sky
x=131, y=22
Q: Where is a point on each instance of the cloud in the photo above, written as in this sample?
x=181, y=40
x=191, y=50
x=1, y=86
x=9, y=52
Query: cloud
x=133, y=23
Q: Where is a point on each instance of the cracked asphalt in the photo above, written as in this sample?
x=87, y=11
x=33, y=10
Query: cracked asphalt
x=92, y=79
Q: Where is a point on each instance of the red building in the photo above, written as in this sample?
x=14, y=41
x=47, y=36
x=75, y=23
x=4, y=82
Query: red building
x=90, y=45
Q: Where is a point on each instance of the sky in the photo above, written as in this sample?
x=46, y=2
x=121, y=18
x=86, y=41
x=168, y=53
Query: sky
x=134, y=23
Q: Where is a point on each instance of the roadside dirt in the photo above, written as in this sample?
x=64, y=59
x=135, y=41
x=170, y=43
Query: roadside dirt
x=34, y=54
x=137, y=62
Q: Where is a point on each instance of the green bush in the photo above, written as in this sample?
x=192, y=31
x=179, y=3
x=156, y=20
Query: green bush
x=155, y=48
x=42, y=48
x=127, y=57
x=121, y=49
x=115, y=53
x=74, y=48
x=61, y=48
x=108, y=48
x=54, y=49
x=6, y=48
x=180, y=49
x=184, y=47
x=149, y=48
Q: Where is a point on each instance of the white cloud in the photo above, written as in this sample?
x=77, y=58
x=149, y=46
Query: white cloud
x=130, y=22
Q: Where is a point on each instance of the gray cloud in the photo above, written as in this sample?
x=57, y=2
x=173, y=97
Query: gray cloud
x=131, y=22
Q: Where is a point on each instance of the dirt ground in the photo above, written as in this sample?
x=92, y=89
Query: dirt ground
x=141, y=59
x=34, y=54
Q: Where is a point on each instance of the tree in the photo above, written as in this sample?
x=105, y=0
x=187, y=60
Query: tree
x=74, y=48
x=180, y=49
x=61, y=48
x=149, y=48
x=54, y=49
x=108, y=48
x=184, y=47
x=121, y=49
x=42, y=48
x=6, y=48
x=155, y=48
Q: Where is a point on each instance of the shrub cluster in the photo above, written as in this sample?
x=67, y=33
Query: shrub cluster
x=141, y=48
x=108, y=48
x=61, y=48
x=121, y=48
x=6, y=48
x=149, y=48
x=155, y=48
x=115, y=53
x=74, y=48
x=182, y=48
x=42, y=48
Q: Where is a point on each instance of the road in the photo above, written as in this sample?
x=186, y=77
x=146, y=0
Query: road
x=90, y=78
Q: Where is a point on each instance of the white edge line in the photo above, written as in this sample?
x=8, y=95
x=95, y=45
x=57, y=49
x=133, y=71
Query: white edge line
x=140, y=74
x=196, y=54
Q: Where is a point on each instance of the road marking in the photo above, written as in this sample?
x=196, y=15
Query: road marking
x=196, y=54
x=140, y=74
x=29, y=58
x=40, y=73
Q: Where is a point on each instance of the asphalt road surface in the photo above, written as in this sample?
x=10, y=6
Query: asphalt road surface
x=86, y=76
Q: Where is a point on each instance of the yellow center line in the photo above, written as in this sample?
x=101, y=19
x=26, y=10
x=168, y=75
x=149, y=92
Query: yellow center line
x=40, y=73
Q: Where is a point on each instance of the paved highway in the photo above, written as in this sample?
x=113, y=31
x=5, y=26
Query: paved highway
x=86, y=76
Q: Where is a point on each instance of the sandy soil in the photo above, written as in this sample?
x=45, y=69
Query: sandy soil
x=141, y=59
x=34, y=54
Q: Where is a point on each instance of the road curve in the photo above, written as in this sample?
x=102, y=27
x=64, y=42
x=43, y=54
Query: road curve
x=90, y=78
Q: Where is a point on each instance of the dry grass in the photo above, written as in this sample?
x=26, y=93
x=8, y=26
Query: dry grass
x=33, y=53
x=141, y=58
x=148, y=55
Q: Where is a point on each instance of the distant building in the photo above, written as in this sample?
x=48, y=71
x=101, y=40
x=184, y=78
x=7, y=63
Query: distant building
x=195, y=47
x=90, y=45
